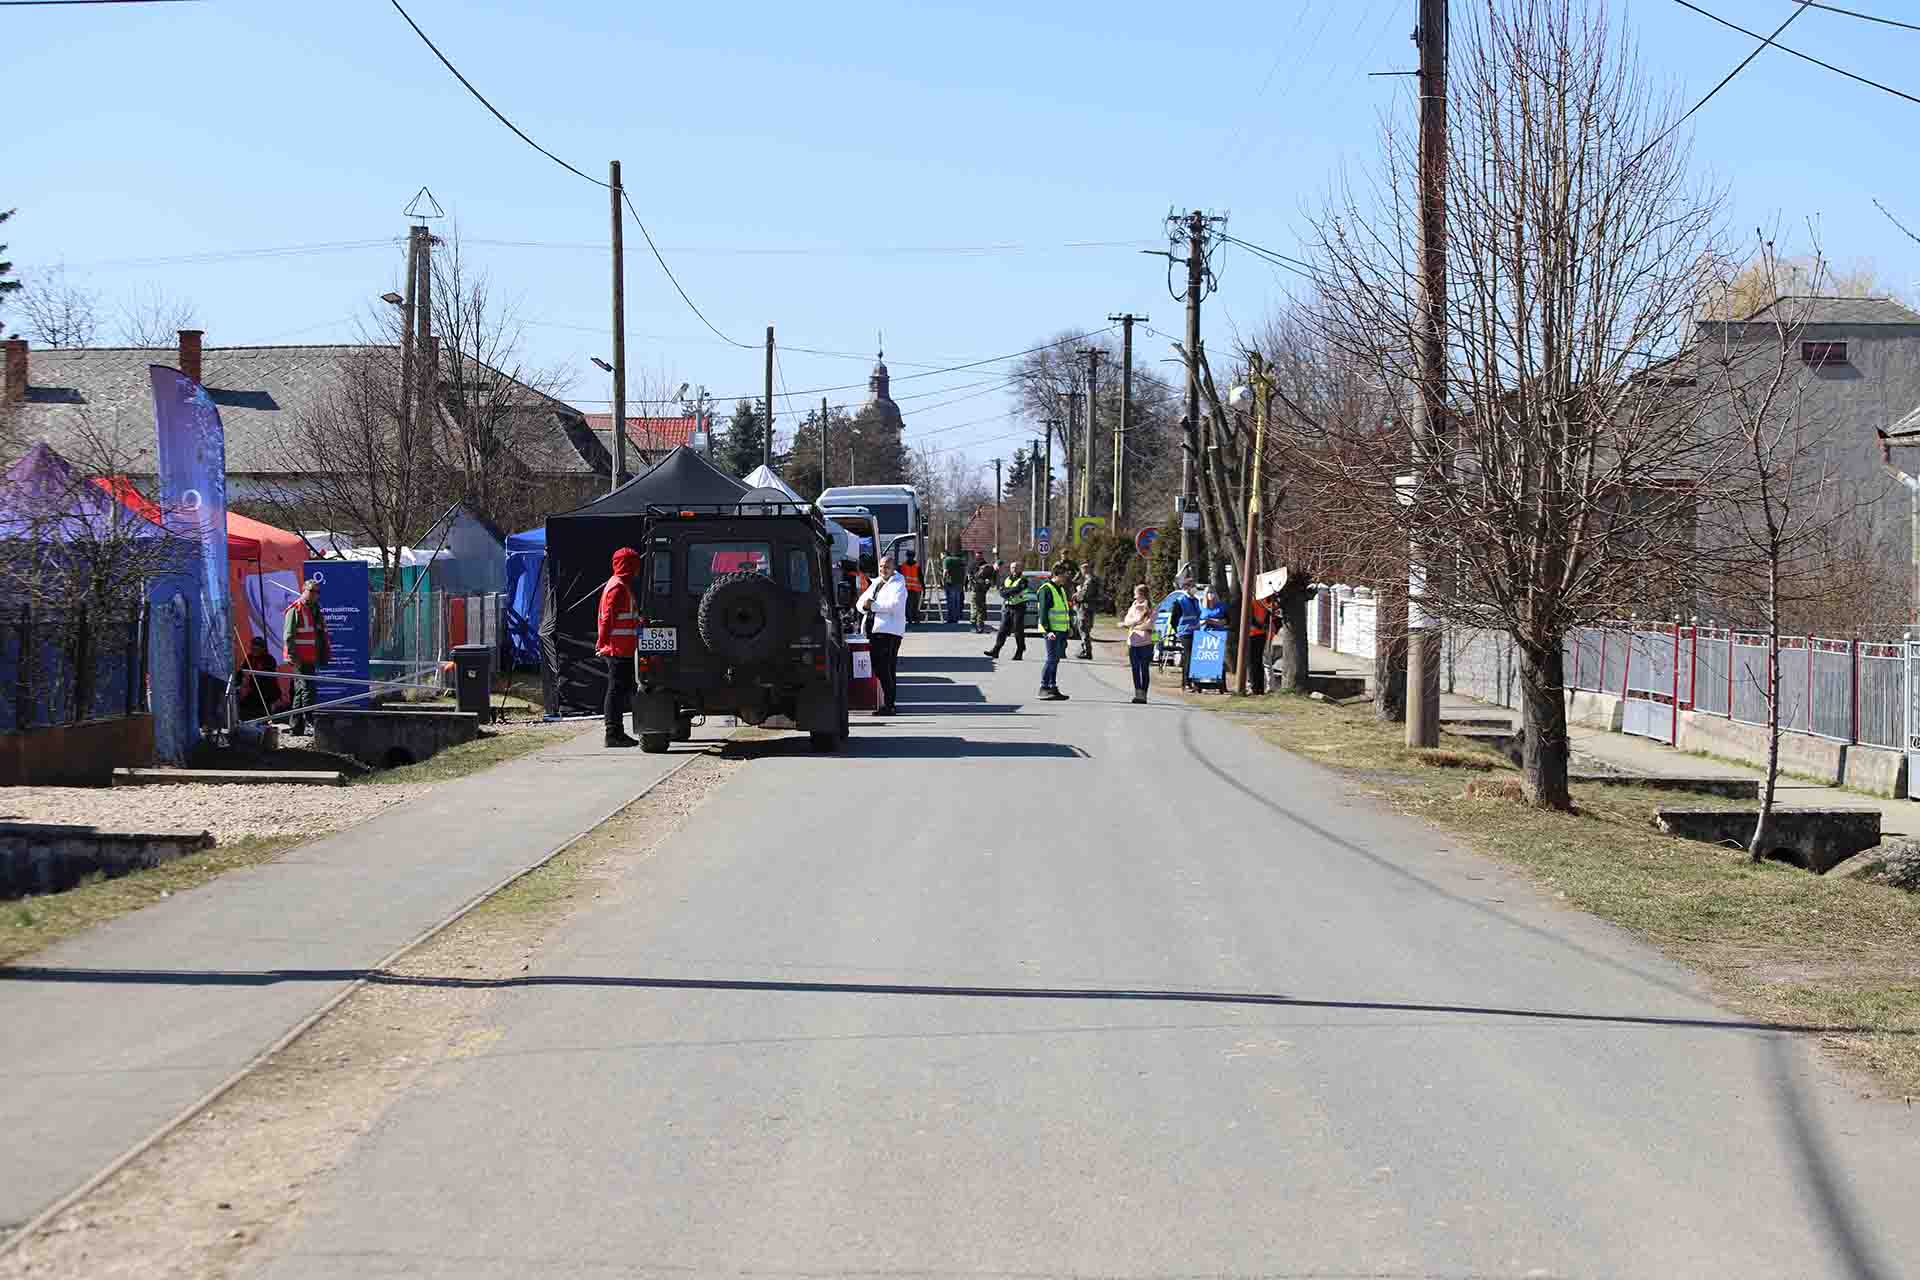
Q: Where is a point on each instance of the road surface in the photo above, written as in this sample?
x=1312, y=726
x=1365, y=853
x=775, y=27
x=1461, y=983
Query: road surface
x=1020, y=989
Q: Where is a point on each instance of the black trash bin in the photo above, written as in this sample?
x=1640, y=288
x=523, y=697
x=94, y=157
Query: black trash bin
x=473, y=679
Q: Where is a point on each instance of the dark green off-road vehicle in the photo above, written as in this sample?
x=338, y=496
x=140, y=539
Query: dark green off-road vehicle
x=741, y=610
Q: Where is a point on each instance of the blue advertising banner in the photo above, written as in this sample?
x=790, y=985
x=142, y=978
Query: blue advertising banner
x=1209, y=663
x=192, y=456
x=346, y=603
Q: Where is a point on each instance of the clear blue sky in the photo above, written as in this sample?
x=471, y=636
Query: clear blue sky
x=858, y=136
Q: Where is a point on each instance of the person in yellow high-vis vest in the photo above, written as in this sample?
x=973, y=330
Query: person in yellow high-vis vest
x=1056, y=624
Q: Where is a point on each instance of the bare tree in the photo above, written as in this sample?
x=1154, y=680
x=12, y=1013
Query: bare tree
x=1783, y=500
x=495, y=417
x=58, y=312
x=148, y=317
x=1569, y=465
x=365, y=458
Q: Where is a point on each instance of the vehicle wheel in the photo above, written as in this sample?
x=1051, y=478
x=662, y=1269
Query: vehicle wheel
x=683, y=729
x=740, y=618
x=655, y=743
x=825, y=740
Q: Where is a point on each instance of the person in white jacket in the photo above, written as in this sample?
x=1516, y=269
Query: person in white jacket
x=885, y=604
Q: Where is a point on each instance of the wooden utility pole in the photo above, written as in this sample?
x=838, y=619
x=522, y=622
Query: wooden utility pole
x=823, y=444
x=1126, y=320
x=1196, y=278
x=1033, y=494
x=1046, y=485
x=996, y=507
x=407, y=307
x=1429, y=441
x=423, y=348
x=766, y=444
x=619, y=333
x=1068, y=430
x=1093, y=355
x=1262, y=395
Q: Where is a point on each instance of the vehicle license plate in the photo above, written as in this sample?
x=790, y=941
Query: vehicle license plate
x=659, y=640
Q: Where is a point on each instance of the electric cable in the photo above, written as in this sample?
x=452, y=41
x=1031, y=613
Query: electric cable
x=1866, y=17
x=1805, y=57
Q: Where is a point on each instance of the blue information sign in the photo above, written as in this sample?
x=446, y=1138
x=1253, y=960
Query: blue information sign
x=1209, y=662
x=346, y=604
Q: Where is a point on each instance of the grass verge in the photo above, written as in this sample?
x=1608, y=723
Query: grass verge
x=1778, y=944
x=489, y=749
x=28, y=924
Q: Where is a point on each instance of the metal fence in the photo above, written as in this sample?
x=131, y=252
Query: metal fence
x=62, y=666
x=413, y=634
x=1845, y=690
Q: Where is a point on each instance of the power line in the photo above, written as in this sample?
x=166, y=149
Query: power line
x=481, y=98
x=40, y=4
x=648, y=237
x=520, y=133
x=1804, y=57
x=1866, y=17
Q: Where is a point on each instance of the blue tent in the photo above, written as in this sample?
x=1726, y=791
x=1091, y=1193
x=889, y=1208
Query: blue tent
x=526, y=557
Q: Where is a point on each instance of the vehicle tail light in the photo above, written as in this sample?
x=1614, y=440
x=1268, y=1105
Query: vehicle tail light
x=820, y=663
x=645, y=665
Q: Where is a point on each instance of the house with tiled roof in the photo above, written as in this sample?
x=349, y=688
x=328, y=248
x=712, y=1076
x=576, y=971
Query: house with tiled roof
x=649, y=439
x=94, y=402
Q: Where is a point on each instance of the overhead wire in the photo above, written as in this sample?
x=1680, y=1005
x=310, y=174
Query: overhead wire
x=1805, y=57
x=1867, y=17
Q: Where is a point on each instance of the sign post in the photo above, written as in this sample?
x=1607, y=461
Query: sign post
x=346, y=605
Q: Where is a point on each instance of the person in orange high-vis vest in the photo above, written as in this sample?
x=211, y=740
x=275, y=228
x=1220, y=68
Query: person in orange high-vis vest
x=303, y=633
x=1259, y=622
x=910, y=570
x=619, y=640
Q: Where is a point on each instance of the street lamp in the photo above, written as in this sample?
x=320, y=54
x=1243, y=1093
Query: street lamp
x=391, y=297
x=600, y=364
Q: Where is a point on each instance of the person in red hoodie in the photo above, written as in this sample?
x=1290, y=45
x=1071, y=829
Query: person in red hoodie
x=619, y=638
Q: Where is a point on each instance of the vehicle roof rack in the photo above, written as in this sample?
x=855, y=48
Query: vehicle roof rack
x=673, y=510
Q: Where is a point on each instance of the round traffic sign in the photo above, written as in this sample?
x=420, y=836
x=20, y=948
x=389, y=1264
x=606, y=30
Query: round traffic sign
x=1143, y=540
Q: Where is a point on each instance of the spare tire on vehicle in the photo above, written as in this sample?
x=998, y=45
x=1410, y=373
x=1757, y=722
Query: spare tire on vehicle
x=742, y=618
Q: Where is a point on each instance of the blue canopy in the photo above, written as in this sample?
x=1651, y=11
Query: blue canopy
x=526, y=557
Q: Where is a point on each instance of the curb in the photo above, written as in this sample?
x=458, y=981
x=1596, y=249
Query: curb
x=39, y=1221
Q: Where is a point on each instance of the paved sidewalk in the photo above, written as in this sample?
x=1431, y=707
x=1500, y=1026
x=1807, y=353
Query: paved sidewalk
x=1630, y=754
x=93, y=1059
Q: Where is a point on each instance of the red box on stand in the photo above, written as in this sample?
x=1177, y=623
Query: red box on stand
x=863, y=687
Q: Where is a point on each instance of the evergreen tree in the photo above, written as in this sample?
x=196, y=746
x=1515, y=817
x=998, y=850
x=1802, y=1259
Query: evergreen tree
x=7, y=282
x=738, y=450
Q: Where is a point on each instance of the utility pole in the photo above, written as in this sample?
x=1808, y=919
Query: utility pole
x=423, y=348
x=1033, y=495
x=1126, y=320
x=823, y=444
x=1046, y=482
x=1430, y=431
x=1067, y=432
x=1262, y=396
x=996, y=507
x=407, y=307
x=1094, y=355
x=1196, y=226
x=766, y=445
x=619, y=333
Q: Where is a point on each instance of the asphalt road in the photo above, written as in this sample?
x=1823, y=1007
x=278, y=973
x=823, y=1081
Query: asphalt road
x=1018, y=989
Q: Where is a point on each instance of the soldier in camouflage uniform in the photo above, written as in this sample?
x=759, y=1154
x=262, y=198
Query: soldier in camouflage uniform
x=1089, y=597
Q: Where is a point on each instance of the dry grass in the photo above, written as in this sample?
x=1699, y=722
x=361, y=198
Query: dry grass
x=1778, y=943
x=28, y=924
x=490, y=748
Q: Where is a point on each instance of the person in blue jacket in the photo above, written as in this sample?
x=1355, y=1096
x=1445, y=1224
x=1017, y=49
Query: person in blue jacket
x=1182, y=620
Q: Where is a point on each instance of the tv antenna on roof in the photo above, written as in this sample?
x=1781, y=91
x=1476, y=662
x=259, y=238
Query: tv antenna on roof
x=420, y=205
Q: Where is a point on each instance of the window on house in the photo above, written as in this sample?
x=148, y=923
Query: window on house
x=1823, y=353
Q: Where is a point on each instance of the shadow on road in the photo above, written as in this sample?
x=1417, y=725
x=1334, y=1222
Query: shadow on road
x=930, y=662
x=272, y=977
x=885, y=746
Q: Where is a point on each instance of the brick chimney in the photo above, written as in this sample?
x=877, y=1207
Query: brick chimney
x=190, y=352
x=16, y=384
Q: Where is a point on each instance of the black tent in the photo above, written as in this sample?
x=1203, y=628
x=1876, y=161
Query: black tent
x=580, y=547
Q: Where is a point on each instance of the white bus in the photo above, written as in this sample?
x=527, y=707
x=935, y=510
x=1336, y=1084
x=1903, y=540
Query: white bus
x=890, y=514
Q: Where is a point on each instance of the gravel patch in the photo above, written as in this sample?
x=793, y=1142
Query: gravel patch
x=229, y=812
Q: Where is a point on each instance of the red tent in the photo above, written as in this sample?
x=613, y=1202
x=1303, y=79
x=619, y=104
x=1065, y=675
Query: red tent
x=255, y=553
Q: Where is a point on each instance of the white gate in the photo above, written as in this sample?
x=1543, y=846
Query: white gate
x=1913, y=705
x=1652, y=684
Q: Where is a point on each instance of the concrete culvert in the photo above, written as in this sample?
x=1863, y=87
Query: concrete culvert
x=1792, y=857
x=397, y=757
